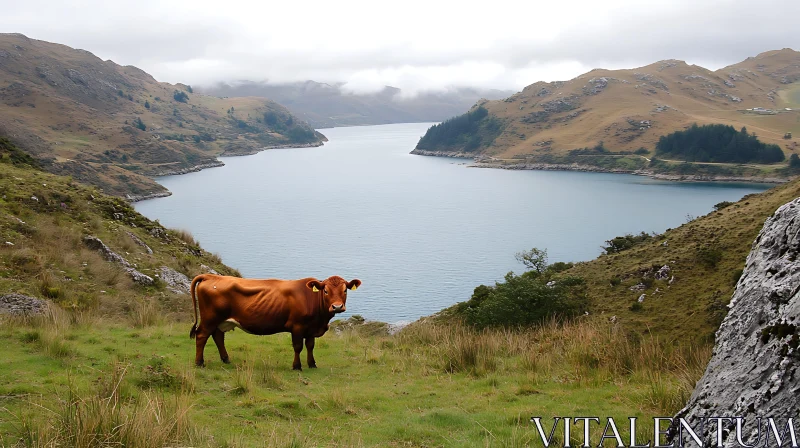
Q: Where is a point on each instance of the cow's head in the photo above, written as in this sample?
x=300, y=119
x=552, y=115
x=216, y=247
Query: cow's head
x=334, y=291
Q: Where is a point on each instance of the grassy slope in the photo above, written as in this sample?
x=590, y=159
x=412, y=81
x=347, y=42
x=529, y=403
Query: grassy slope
x=613, y=114
x=64, y=106
x=406, y=390
x=46, y=250
x=692, y=307
x=123, y=355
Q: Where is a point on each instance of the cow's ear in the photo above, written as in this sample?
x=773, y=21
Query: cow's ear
x=352, y=285
x=314, y=285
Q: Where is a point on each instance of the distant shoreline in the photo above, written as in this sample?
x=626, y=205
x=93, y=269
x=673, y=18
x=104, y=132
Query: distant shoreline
x=596, y=169
x=216, y=164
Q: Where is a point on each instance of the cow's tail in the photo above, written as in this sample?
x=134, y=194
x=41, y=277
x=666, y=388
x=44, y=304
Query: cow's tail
x=192, y=290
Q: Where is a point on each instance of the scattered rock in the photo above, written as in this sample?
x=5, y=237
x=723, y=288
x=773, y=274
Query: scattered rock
x=638, y=287
x=663, y=273
x=94, y=243
x=21, y=305
x=176, y=282
x=641, y=298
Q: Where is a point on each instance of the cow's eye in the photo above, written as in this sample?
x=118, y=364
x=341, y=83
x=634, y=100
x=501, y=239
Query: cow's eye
x=325, y=291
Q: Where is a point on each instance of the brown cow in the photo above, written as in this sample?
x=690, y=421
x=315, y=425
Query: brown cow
x=301, y=307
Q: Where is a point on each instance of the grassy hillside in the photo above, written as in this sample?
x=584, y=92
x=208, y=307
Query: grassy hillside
x=110, y=363
x=113, y=126
x=325, y=105
x=625, y=110
x=43, y=219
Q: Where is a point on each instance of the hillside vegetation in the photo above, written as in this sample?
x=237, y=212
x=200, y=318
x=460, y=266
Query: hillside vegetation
x=467, y=132
x=628, y=111
x=717, y=143
x=114, y=126
x=110, y=360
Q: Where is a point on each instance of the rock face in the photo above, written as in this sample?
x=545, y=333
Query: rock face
x=176, y=282
x=95, y=243
x=754, y=369
x=20, y=305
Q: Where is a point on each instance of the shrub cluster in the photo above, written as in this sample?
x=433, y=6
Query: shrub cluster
x=526, y=299
x=717, y=143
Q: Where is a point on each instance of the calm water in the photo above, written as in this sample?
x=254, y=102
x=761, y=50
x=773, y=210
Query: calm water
x=420, y=232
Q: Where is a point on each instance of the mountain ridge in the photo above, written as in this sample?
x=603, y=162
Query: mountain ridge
x=116, y=126
x=628, y=109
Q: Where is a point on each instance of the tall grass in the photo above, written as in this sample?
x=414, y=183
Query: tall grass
x=145, y=313
x=576, y=351
x=107, y=419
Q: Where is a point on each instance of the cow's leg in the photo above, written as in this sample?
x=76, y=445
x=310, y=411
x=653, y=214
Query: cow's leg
x=219, y=339
x=201, y=338
x=297, y=343
x=310, y=348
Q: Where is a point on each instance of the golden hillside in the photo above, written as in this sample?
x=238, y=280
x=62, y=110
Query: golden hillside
x=113, y=126
x=630, y=109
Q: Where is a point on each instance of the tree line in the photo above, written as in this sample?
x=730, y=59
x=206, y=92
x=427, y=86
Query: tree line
x=466, y=132
x=717, y=143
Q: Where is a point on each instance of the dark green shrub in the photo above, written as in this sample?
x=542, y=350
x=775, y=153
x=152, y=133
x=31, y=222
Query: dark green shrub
x=736, y=275
x=625, y=242
x=615, y=281
x=709, y=256
x=524, y=300
x=636, y=306
x=180, y=96
x=722, y=205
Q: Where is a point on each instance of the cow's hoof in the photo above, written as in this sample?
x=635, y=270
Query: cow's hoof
x=226, y=360
x=312, y=366
x=200, y=364
x=297, y=368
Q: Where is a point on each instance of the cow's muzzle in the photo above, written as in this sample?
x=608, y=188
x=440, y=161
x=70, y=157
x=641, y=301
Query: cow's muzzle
x=337, y=308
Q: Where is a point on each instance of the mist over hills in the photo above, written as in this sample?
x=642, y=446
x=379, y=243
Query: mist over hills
x=331, y=105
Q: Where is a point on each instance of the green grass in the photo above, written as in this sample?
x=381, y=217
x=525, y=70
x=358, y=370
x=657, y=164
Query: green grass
x=368, y=390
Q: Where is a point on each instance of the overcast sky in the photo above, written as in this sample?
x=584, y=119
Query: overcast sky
x=411, y=44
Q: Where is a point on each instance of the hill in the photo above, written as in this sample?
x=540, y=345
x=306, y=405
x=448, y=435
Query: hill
x=621, y=111
x=326, y=106
x=112, y=363
x=115, y=126
x=111, y=360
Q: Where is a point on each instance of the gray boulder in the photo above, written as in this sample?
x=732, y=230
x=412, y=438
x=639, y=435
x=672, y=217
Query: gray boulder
x=753, y=370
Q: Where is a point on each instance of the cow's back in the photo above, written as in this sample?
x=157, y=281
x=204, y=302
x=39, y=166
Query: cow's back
x=257, y=306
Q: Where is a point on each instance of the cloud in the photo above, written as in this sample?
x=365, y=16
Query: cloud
x=415, y=45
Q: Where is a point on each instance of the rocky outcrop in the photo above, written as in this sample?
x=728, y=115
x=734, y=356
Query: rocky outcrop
x=95, y=243
x=21, y=305
x=139, y=241
x=176, y=282
x=754, y=369
x=454, y=154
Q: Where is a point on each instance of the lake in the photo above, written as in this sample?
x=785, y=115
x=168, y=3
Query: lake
x=420, y=232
